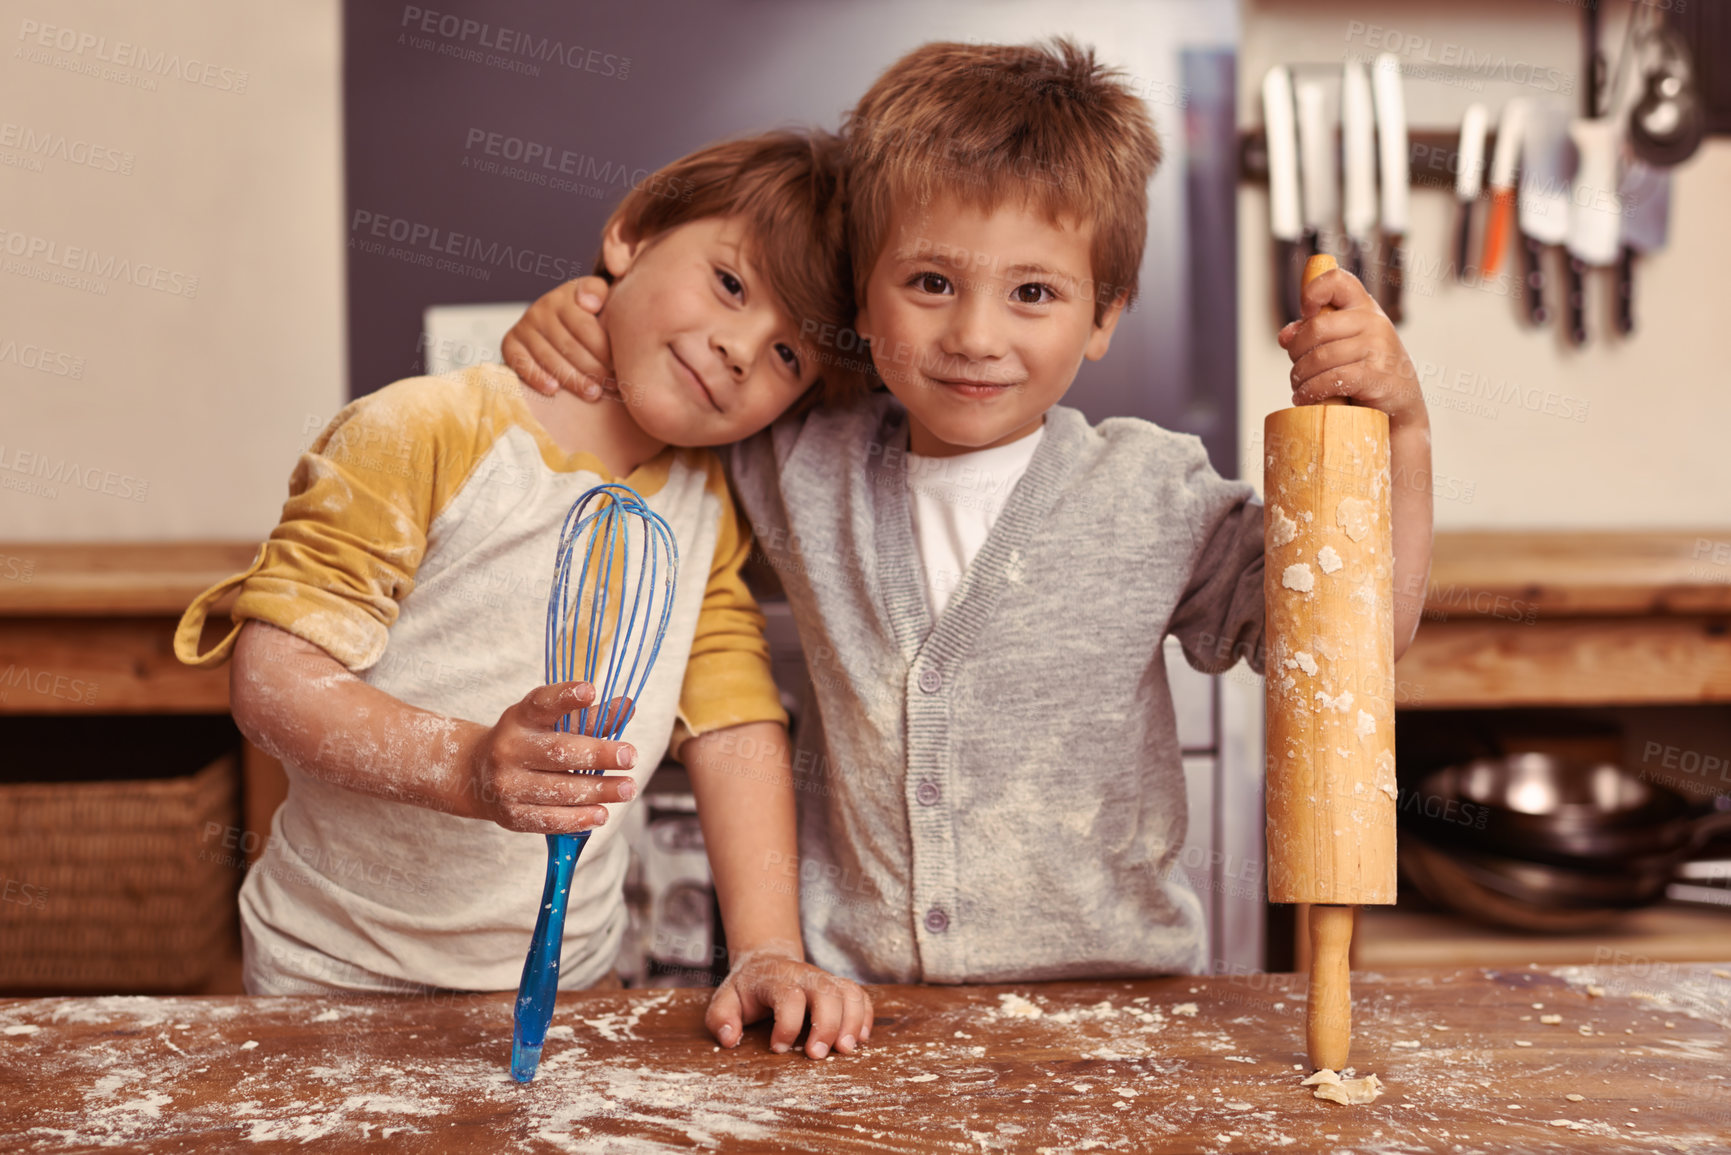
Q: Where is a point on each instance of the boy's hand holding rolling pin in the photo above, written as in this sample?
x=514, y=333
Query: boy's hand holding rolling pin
x=1344, y=345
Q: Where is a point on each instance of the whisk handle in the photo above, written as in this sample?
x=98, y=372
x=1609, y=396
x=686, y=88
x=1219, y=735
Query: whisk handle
x=540, y=983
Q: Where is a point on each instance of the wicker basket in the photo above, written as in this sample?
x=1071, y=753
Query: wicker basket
x=118, y=886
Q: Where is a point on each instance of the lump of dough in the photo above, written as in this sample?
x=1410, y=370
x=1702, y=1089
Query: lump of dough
x=1332, y=1087
x=1281, y=529
x=1354, y=515
x=1328, y=559
x=1298, y=577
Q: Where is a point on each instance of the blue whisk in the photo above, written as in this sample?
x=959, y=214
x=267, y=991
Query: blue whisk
x=609, y=636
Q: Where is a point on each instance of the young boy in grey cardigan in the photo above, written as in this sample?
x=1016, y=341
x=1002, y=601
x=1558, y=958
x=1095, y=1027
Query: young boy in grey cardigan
x=982, y=581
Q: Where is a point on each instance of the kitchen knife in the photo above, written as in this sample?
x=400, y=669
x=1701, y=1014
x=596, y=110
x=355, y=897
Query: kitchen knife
x=1392, y=163
x=1318, y=180
x=1469, y=176
x=1358, y=154
x=1509, y=129
x=1646, y=194
x=1595, y=218
x=1282, y=137
x=1543, y=201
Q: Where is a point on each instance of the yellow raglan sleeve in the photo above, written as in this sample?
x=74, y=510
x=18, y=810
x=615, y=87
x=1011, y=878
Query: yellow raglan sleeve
x=727, y=681
x=354, y=528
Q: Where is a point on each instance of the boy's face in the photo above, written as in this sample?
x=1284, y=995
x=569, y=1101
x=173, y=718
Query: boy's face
x=703, y=351
x=979, y=320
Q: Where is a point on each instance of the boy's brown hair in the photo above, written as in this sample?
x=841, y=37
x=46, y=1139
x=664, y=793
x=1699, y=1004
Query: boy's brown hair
x=786, y=187
x=991, y=122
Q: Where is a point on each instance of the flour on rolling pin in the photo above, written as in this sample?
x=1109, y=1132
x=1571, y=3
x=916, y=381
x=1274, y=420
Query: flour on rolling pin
x=1330, y=656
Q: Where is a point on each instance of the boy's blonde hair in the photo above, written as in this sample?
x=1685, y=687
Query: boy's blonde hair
x=786, y=187
x=989, y=123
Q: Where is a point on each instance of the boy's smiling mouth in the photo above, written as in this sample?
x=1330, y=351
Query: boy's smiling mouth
x=695, y=379
x=972, y=386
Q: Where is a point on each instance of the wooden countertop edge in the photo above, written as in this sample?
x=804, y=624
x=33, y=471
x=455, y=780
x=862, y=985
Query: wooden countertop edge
x=142, y=579
x=1506, y=575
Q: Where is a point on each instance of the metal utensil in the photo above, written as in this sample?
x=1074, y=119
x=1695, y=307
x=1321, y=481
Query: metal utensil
x=1538, y=808
x=1595, y=213
x=1543, y=199
x=1358, y=165
x=1546, y=843
x=1281, y=133
x=1668, y=120
x=1645, y=192
x=1319, y=180
x=1469, y=175
x=607, y=631
x=1394, y=165
x=1508, y=154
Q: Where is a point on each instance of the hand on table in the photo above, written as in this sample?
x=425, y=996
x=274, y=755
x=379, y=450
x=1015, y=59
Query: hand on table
x=775, y=979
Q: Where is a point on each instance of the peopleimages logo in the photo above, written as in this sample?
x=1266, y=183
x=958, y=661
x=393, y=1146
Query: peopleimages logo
x=124, y=54
x=45, y=474
x=52, y=145
x=421, y=239
x=86, y=268
x=1450, y=62
x=510, y=45
x=42, y=360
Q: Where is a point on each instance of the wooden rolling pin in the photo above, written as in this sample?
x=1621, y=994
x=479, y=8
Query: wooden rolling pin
x=1330, y=662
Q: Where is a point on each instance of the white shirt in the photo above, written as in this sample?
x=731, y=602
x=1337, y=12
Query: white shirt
x=954, y=501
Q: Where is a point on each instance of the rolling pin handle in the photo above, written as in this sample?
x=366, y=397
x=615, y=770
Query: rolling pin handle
x=1328, y=1017
x=1314, y=268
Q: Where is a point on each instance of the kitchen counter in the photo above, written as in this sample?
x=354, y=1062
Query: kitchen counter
x=1177, y=1064
x=1572, y=618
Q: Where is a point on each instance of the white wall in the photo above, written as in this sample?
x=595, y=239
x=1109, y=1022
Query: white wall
x=1651, y=452
x=188, y=405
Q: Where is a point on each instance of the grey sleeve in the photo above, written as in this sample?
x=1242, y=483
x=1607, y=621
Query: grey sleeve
x=1219, y=617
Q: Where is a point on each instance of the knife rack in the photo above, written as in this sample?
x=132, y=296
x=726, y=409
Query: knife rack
x=1433, y=155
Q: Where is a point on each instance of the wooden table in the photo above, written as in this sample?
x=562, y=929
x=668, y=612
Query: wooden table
x=1179, y=1064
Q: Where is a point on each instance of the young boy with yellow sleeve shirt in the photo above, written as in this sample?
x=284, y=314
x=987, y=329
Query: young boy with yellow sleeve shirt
x=399, y=609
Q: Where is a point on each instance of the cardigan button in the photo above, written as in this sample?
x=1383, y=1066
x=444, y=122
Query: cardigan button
x=931, y=681
x=937, y=921
x=928, y=793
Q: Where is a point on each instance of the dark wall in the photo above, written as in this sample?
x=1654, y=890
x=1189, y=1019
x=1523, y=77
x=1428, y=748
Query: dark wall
x=486, y=143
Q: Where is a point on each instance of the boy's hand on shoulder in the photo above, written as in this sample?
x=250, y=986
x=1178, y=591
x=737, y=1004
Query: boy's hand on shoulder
x=1351, y=351
x=560, y=342
x=775, y=978
x=527, y=776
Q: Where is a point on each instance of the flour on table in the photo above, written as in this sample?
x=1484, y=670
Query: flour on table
x=621, y=1026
